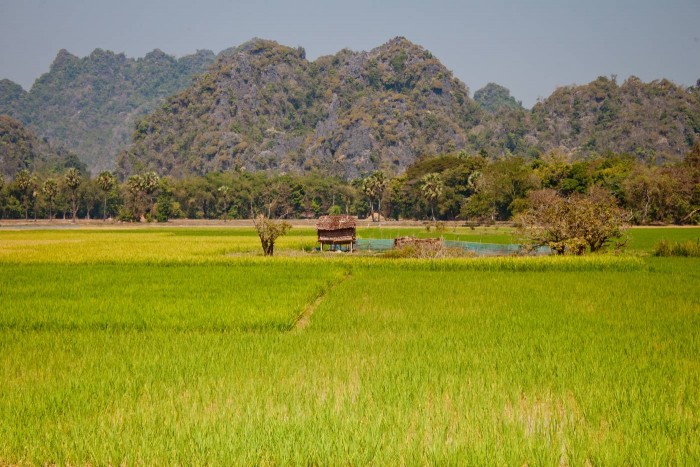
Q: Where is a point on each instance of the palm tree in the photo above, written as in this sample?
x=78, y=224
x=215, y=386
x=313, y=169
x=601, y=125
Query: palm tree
x=73, y=181
x=106, y=181
x=50, y=191
x=367, y=189
x=141, y=188
x=23, y=180
x=35, y=194
x=151, y=182
x=373, y=187
x=431, y=187
x=380, y=184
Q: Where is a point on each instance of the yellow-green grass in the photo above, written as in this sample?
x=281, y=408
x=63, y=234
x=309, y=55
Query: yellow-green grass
x=219, y=244
x=190, y=355
x=129, y=245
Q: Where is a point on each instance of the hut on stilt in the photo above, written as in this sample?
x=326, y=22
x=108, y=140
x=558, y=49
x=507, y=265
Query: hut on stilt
x=336, y=231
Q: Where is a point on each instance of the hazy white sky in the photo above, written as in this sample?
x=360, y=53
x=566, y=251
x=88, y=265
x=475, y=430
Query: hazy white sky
x=531, y=47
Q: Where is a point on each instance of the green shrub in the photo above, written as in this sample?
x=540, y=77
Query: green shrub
x=690, y=248
x=126, y=215
x=406, y=252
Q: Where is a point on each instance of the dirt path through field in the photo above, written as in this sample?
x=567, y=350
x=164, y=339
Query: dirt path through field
x=304, y=318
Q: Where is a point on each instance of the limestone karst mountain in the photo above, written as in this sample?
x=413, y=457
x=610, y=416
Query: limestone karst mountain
x=90, y=105
x=264, y=106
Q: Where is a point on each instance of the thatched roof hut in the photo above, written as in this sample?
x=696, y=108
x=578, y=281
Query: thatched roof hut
x=336, y=230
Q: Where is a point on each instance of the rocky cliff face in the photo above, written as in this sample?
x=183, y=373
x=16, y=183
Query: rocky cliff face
x=264, y=106
x=657, y=121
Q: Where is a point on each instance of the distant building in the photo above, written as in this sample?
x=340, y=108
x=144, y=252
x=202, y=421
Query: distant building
x=336, y=230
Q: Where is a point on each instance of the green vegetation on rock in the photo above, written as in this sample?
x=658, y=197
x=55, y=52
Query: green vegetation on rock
x=263, y=106
x=654, y=121
x=20, y=149
x=89, y=105
x=494, y=97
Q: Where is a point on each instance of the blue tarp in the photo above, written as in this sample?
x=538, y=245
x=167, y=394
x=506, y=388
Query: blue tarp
x=481, y=249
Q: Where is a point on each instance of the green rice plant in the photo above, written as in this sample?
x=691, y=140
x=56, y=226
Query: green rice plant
x=169, y=346
x=537, y=367
x=209, y=297
x=644, y=239
x=510, y=263
x=144, y=245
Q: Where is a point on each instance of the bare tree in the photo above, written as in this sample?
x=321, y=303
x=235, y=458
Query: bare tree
x=268, y=231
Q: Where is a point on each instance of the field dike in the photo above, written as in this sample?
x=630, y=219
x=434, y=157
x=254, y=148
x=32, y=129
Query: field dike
x=304, y=319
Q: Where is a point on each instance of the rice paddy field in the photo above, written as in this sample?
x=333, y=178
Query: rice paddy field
x=185, y=346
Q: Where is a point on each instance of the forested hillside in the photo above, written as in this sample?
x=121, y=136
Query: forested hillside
x=20, y=149
x=89, y=105
x=656, y=121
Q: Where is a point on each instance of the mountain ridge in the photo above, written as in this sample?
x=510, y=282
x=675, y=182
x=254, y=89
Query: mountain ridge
x=262, y=105
x=266, y=107
x=90, y=104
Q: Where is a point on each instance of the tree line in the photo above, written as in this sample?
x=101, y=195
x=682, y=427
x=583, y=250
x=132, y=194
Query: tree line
x=455, y=186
